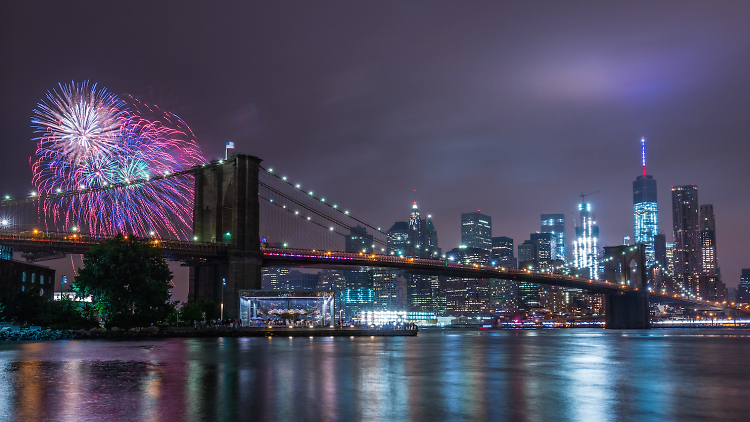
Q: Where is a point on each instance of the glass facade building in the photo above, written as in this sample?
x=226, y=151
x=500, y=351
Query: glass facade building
x=687, y=252
x=555, y=224
x=586, y=245
x=476, y=230
x=708, y=240
x=645, y=215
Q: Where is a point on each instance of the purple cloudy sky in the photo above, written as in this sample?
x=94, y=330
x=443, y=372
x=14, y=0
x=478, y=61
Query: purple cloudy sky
x=514, y=108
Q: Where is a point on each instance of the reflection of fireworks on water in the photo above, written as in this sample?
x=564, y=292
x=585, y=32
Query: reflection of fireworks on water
x=91, y=139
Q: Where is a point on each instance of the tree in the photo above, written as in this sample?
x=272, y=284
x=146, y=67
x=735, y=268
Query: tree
x=195, y=311
x=129, y=281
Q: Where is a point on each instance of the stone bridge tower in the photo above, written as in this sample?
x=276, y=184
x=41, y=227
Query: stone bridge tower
x=626, y=264
x=226, y=211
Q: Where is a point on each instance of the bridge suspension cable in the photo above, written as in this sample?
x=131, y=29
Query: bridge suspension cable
x=281, y=196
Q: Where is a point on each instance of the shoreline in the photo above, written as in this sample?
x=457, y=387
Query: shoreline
x=187, y=332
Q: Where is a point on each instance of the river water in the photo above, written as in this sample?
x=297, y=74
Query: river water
x=453, y=375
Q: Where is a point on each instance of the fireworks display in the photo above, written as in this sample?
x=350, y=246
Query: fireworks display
x=92, y=139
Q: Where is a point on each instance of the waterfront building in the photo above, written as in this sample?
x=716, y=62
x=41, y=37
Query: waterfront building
x=17, y=277
x=425, y=293
x=503, y=293
x=389, y=289
x=466, y=296
x=586, y=245
x=555, y=224
x=356, y=301
x=358, y=279
x=331, y=280
x=297, y=280
x=6, y=252
x=529, y=297
x=279, y=278
x=476, y=230
x=503, y=296
x=688, y=257
x=274, y=278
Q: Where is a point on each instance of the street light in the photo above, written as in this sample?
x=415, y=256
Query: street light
x=223, y=283
x=63, y=280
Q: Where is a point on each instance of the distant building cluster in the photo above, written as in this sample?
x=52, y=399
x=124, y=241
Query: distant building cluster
x=687, y=266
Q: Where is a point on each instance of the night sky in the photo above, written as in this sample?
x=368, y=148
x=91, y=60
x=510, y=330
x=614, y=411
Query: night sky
x=512, y=108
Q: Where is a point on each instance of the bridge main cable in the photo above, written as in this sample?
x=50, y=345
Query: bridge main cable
x=85, y=190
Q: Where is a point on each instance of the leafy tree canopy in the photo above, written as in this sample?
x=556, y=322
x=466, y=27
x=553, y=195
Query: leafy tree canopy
x=129, y=281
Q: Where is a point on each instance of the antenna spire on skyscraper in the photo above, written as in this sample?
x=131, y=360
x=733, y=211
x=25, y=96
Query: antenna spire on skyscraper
x=643, y=154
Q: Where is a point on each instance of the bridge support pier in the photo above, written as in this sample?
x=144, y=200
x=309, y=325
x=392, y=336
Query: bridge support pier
x=626, y=265
x=626, y=311
x=226, y=211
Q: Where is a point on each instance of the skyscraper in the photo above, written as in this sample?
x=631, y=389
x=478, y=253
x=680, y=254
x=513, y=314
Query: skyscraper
x=687, y=247
x=545, y=247
x=586, y=245
x=660, y=250
x=430, y=235
x=555, y=224
x=476, y=230
x=645, y=221
x=708, y=240
x=417, y=237
x=416, y=234
x=398, y=239
x=502, y=252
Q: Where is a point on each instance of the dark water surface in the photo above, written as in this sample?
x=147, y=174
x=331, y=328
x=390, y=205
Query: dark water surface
x=539, y=375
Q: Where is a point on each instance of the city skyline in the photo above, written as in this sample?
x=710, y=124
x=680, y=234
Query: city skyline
x=484, y=106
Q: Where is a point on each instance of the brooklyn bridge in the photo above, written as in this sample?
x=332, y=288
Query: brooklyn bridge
x=246, y=217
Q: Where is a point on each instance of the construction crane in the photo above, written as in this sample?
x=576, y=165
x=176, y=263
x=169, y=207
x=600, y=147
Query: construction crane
x=583, y=199
x=584, y=195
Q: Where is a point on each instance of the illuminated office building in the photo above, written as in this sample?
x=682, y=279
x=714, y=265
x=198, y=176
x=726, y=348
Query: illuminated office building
x=476, y=230
x=358, y=241
x=669, y=253
x=416, y=226
x=708, y=240
x=688, y=259
x=417, y=237
x=586, y=245
x=398, y=239
x=645, y=221
x=555, y=224
x=502, y=250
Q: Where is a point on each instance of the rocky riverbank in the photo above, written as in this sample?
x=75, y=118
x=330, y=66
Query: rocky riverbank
x=172, y=332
